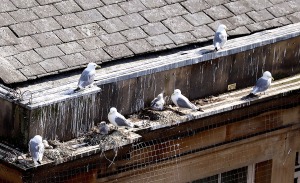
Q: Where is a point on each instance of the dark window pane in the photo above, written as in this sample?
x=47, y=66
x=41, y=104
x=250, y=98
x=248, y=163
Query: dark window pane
x=263, y=172
x=235, y=176
x=211, y=179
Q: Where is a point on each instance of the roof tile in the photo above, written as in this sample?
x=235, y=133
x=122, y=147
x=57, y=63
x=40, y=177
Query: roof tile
x=24, y=3
x=91, y=43
x=32, y=70
x=23, y=15
x=45, y=11
x=277, y=1
x=90, y=16
x=203, y=31
x=74, y=59
x=135, y=33
x=159, y=40
x=139, y=46
x=69, y=20
x=53, y=64
x=9, y=74
x=239, y=31
x=295, y=5
x=43, y=2
x=71, y=47
x=46, y=24
x=153, y=3
x=133, y=20
x=155, y=28
x=47, y=39
x=218, y=12
x=197, y=19
x=216, y=24
x=66, y=7
x=257, y=26
x=111, y=11
x=49, y=51
x=261, y=15
x=24, y=29
x=194, y=6
x=132, y=6
x=6, y=6
x=174, y=10
x=89, y=4
x=217, y=2
x=107, y=2
x=13, y=61
x=89, y=30
x=113, y=25
x=69, y=34
x=277, y=22
x=178, y=24
x=8, y=51
x=113, y=39
x=259, y=4
x=182, y=38
x=240, y=20
x=173, y=1
x=154, y=15
x=281, y=9
x=6, y=19
x=295, y=17
x=7, y=37
x=97, y=55
x=28, y=57
x=118, y=51
x=239, y=7
x=27, y=43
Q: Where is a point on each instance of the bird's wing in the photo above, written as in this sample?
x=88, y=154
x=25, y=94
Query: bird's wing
x=86, y=78
x=184, y=102
x=121, y=121
x=261, y=85
x=217, y=38
x=153, y=102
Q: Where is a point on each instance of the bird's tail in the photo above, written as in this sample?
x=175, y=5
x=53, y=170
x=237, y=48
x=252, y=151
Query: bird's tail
x=216, y=49
x=250, y=95
x=77, y=89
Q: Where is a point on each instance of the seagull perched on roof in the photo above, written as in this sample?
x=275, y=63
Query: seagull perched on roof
x=118, y=119
x=36, y=149
x=220, y=37
x=262, y=84
x=87, y=76
x=103, y=128
x=158, y=103
x=181, y=101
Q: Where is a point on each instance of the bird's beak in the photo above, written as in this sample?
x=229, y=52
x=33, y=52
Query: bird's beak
x=98, y=67
x=273, y=79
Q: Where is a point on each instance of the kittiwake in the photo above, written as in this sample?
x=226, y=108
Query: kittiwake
x=181, y=101
x=220, y=37
x=87, y=76
x=158, y=103
x=36, y=149
x=262, y=84
x=103, y=128
x=118, y=119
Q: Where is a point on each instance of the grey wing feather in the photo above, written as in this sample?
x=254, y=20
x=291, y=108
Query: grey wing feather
x=261, y=85
x=217, y=38
x=33, y=149
x=86, y=78
x=121, y=122
x=154, y=102
x=183, y=103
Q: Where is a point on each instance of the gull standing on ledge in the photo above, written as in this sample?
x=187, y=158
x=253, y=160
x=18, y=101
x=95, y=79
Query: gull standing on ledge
x=118, y=119
x=36, y=149
x=87, y=77
x=181, y=101
x=220, y=37
x=262, y=84
x=158, y=103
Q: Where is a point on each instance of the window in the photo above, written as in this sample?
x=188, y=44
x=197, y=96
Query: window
x=297, y=169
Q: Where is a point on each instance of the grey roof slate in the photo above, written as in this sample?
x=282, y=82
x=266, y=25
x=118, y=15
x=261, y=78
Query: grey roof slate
x=44, y=37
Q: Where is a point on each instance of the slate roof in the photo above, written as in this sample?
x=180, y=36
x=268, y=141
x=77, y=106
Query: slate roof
x=45, y=37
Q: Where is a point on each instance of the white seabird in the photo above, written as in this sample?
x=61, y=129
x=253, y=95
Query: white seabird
x=118, y=119
x=181, y=101
x=220, y=37
x=36, y=149
x=262, y=84
x=87, y=76
x=158, y=103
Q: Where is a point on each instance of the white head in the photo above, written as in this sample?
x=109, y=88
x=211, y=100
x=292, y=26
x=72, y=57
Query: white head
x=161, y=95
x=222, y=27
x=38, y=139
x=112, y=110
x=102, y=123
x=267, y=75
x=92, y=66
x=177, y=92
